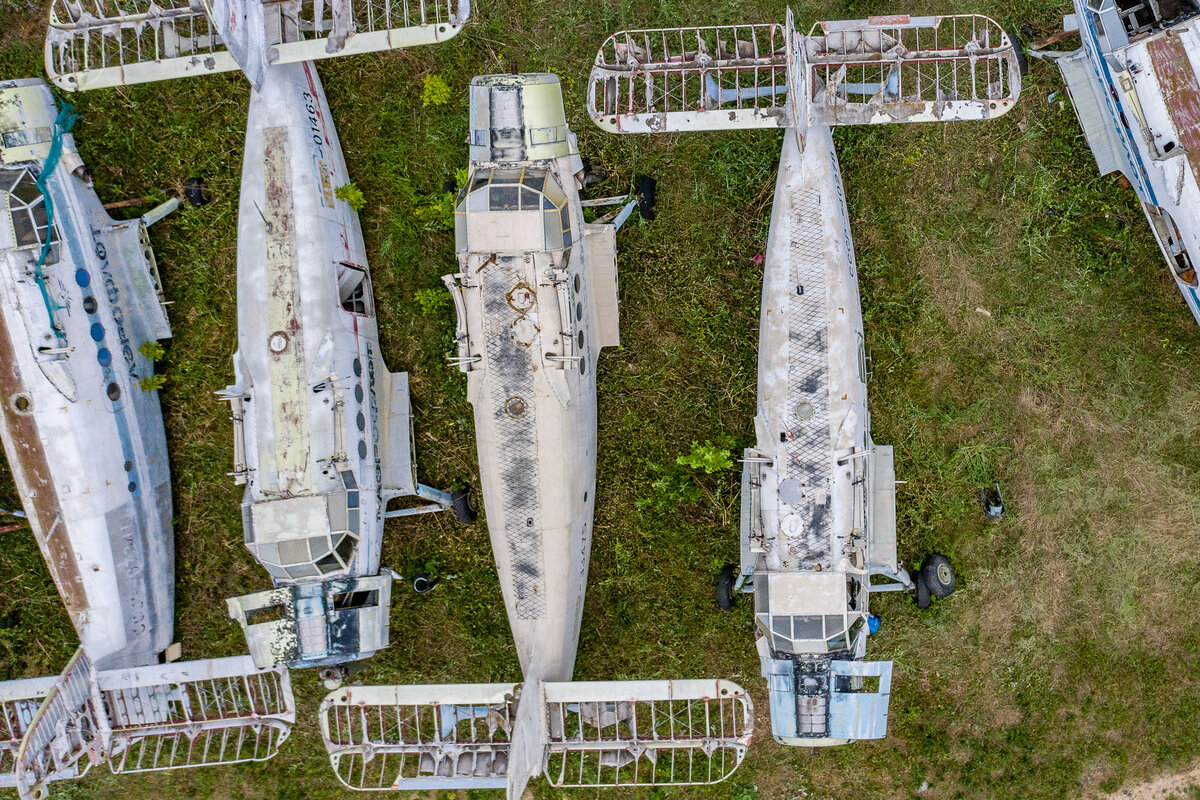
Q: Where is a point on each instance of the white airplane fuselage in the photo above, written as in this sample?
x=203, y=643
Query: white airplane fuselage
x=1134, y=87
x=536, y=300
x=84, y=440
x=322, y=427
x=805, y=499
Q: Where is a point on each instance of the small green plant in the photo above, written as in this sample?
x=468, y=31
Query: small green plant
x=152, y=350
x=156, y=381
x=352, y=195
x=707, y=457
x=435, y=92
x=437, y=212
x=432, y=301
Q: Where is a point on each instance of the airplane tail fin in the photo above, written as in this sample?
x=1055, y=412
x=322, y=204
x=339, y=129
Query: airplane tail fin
x=872, y=71
x=118, y=44
x=141, y=719
x=580, y=734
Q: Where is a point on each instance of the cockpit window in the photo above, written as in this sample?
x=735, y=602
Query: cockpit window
x=545, y=221
x=26, y=208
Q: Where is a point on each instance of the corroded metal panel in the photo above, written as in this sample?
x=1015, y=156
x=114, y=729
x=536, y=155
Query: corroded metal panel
x=285, y=342
x=1180, y=91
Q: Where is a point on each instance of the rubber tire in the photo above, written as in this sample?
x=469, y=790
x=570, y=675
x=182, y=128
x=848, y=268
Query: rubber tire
x=195, y=192
x=923, y=596
x=938, y=575
x=462, y=503
x=1019, y=49
x=725, y=593
x=647, y=196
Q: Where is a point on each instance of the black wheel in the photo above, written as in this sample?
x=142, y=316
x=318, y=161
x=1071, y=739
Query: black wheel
x=647, y=196
x=923, y=596
x=1019, y=49
x=725, y=592
x=462, y=502
x=424, y=583
x=195, y=192
x=939, y=575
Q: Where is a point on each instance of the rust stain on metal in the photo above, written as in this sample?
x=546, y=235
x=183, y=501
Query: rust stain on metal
x=27, y=460
x=1180, y=91
x=286, y=342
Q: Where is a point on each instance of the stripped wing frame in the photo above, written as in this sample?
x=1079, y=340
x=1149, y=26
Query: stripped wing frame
x=909, y=69
x=707, y=78
x=66, y=730
x=98, y=43
x=19, y=702
x=225, y=712
x=93, y=44
x=645, y=733
x=381, y=738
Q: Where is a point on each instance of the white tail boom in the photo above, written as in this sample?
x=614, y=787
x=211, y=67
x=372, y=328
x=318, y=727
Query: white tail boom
x=592, y=734
x=94, y=44
x=858, y=72
x=143, y=719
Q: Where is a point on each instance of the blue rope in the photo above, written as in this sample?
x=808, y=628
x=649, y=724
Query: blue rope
x=63, y=124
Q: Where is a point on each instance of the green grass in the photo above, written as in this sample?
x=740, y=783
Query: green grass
x=1065, y=665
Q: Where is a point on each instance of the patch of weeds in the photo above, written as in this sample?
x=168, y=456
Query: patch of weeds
x=152, y=350
x=685, y=481
x=437, y=212
x=352, y=195
x=435, y=92
x=156, y=381
x=432, y=301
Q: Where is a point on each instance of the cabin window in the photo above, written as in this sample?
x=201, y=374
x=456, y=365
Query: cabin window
x=354, y=289
x=348, y=600
x=515, y=190
x=26, y=209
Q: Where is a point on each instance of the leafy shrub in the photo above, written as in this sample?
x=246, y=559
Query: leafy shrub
x=352, y=195
x=152, y=350
x=707, y=457
x=435, y=92
x=432, y=301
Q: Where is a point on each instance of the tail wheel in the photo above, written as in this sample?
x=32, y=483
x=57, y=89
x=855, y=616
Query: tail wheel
x=938, y=575
x=464, y=505
x=725, y=593
x=923, y=596
x=195, y=192
x=647, y=196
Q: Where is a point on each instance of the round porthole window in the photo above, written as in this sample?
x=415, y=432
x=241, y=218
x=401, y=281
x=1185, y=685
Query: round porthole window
x=21, y=403
x=89, y=305
x=114, y=392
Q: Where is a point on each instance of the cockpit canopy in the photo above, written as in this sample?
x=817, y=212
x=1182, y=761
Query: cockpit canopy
x=512, y=210
x=810, y=612
x=298, y=538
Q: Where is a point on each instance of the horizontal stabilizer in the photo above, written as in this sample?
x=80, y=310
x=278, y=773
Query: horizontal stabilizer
x=93, y=44
x=909, y=69
x=183, y=714
x=420, y=737
x=717, y=77
x=594, y=734
x=878, y=70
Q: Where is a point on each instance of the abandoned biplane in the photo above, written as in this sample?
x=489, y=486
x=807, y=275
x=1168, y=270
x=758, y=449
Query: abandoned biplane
x=536, y=299
x=1134, y=87
x=818, y=495
x=82, y=310
x=322, y=437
